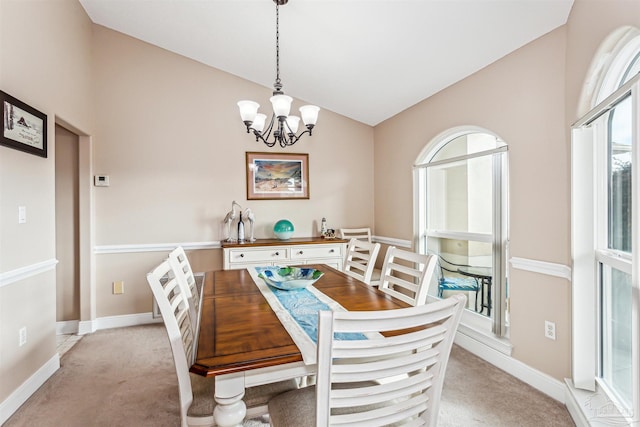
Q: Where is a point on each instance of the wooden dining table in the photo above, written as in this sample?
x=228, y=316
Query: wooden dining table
x=242, y=343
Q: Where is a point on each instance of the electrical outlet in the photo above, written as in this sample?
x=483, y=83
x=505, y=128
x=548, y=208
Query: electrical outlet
x=549, y=330
x=22, y=336
x=118, y=288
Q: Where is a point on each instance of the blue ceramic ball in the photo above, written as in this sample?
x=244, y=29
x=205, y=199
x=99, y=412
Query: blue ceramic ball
x=283, y=229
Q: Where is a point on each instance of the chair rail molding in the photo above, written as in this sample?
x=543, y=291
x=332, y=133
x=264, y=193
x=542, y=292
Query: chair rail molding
x=542, y=267
x=391, y=241
x=22, y=273
x=153, y=247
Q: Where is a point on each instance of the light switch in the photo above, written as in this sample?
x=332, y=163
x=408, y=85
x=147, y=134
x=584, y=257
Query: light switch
x=22, y=214
x=101, y=180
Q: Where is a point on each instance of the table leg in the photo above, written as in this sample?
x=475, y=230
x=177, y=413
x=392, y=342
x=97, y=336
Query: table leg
x=230, y=409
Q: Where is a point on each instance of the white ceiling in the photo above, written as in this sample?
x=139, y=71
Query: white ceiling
x=364, y=59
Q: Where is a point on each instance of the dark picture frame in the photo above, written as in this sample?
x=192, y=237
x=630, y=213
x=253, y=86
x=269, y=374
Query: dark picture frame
x=23, y=127
x=275, y=176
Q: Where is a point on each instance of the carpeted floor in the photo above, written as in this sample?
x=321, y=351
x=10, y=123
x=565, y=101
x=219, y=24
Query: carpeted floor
x=125, y=377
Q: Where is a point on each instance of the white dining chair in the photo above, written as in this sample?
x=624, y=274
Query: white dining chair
x=197, y=392
x=360, y=259
x=407, y=275
x=363, y=234
x=376, y=381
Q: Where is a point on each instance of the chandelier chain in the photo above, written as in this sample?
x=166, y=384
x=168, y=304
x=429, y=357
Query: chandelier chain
x=278, y=84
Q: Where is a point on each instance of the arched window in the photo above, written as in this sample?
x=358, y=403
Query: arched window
x=605, y=222
x=461, y=216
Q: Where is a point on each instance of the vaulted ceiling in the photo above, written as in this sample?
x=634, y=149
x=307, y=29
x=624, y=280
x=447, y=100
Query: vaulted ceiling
x=364, y=59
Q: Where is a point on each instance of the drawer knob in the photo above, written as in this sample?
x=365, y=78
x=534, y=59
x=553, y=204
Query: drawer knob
x=277, y=253
x=331, y=251
x=241, y=255
x=300, y=252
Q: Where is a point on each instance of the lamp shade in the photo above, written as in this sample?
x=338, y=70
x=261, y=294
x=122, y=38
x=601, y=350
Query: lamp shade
x=248, y=110
x=309, y=114
x=281, y=105
x=258, y=122
x=292, y=124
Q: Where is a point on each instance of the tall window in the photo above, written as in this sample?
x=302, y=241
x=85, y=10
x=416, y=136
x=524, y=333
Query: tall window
x=605, y=235
x=461, y=204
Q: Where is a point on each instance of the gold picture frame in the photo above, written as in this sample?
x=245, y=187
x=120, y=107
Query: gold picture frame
x=277, y=176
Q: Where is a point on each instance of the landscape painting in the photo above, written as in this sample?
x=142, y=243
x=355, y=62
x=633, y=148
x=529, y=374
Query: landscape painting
x=277, y=176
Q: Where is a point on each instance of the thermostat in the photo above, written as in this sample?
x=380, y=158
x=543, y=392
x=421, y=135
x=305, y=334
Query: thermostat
x=101, y=180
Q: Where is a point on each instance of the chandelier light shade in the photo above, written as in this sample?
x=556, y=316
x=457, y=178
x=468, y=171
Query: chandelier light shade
x=283, y=127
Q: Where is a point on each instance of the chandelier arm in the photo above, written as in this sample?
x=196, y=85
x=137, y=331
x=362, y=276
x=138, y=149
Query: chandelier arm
x=266, y=142
x=292, y=138
x=260, y=137
x=266, y=133
x=269, y=128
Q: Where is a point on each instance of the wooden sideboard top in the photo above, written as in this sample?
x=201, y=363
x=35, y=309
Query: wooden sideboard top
x=277, y=242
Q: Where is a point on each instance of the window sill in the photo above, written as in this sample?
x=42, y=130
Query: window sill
x=593, y=408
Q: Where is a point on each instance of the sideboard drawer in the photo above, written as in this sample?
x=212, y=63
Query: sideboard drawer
x=316, y=251
x=297, y=251
x=258, y=255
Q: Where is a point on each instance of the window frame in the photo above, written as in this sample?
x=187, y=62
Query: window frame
x=496, y=326
x=590, y=247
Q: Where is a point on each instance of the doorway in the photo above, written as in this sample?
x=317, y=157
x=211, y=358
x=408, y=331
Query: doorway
x=67, y=231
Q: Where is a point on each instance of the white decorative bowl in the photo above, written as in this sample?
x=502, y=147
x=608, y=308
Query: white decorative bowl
x=290, y=278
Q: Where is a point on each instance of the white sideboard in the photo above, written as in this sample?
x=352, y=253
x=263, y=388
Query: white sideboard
x=296, y=251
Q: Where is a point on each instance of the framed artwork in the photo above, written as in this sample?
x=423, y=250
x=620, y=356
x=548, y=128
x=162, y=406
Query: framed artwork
x=23, y=127
x=272, y=176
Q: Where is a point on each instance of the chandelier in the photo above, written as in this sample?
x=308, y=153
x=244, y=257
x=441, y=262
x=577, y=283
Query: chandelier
x=283, y=126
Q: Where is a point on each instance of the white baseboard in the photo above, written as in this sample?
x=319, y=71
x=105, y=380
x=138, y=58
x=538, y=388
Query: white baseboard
x=536, y=379
x=22, y=393
x=26, y=389
x=67, y=327
x=90, y=326
x=126, y=320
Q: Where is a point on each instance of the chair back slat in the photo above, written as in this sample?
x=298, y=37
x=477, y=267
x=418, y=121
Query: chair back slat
x=360, y=259
x=389, y=379
x=363, y=233
x=186, y=278
x=406, y=275
x=180, y=263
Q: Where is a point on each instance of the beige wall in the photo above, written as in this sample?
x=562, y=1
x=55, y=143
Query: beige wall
x=529, y=99
x=169, y=136
x=45, y=61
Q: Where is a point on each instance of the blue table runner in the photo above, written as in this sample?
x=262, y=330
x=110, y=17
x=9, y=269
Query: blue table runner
x=298, y=312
